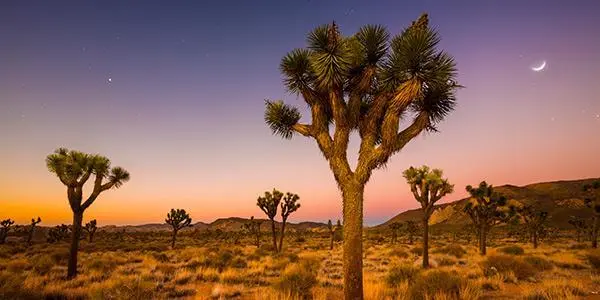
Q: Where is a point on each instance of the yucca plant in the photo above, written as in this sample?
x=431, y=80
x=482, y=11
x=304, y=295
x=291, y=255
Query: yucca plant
x=371, y=83
x=534, y=220
x=5, y=229
x=288, y=206
x=74, y=169
x=178, y=219
x=31, y=229
x=91, y=227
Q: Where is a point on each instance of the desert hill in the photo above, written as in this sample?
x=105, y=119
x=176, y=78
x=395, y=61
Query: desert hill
x=561, y=199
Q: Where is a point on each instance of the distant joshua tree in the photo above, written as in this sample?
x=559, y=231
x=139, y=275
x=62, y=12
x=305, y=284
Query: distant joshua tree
x=90, y=228
x=6, y=224
x=534, y=221
x=428, y=187
x=412, y=229
x=58, y=233
x=74, y=168
x=394, y=228
x=34, y=222
x=253, y=228
x=331, y=230
x=592, y=200
x=485, y=210
x=371, y=83
x=269, y=205
x=580, y=227
x=288, y=206
x=178, y=219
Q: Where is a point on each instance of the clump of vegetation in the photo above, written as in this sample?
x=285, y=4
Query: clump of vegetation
x=539, y=263
x=513, y=249
x=401, y=273
x=593, y=257
x=592, y=200
x=297, y=279
x=534, y=221
x=252, y=227
x=91, y=227
x=453, y=249
x=428, y=187
x=507, y=263
x=58, y=233
x=398, y=253
x=42, y=264
x=6, y=224
x=435, y=282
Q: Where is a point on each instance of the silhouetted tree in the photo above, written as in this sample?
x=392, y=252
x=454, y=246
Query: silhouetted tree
x=178, y=219
x=485, y=210
x=394, y=228
x=253, y=228
x=331, y=229
x=580, y=226
x=592, y=199
x=31, y=230
x=74, y=168
x=369, y=84
x=288, y=206
x=58, y=233
x=339, y=231
x=428, y=187
x=6, y=224
x=269, y=205
x=90, y=228
x=412, y=229
x=534, y=221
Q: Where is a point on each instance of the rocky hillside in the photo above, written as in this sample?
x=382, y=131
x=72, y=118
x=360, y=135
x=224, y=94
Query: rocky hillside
x=561, y=199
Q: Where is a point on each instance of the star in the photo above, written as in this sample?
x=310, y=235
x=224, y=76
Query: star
x=109, y=80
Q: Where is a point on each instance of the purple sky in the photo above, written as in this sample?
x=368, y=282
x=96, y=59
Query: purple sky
x=183, y=110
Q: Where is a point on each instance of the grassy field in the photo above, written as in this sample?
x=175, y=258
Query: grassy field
x=142, y=266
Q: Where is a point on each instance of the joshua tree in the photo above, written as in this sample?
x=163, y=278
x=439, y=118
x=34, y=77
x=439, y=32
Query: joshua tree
x=367, y=83
x=331, y=229
x=288, y=206
x=428, y=187
x=34, y=222
x=394, y=228
x=485, y=210
x=412, y=229
x=178, y=219
x=269, y=204
x=5, y=229
x=90, y=228
x=592, y=200
x=534, y=221
x=580, y=226
x=253, y=228
x=74, y=169
x=58, y=233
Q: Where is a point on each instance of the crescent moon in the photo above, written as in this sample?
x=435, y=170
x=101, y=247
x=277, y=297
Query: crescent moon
x=540, y=67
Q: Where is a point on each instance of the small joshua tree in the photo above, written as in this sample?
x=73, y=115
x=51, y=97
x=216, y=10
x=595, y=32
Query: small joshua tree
x=34, y=222
x=580, y=227
x=534, y=221
x=485, y=210
x=74, y=169
x=412, y=229
x=592, y=200
x=253, y=228
x=58, y=233
x=6, y=224
x=394, y=228
x=269, y=205
x=90, y=228
x=331, y=229
x=428, y=187
x=178, y=219
x=288, y=206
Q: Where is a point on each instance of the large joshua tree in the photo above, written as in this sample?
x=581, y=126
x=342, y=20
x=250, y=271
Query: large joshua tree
x=74, y=169
x=369, y=83
x=178, y=219
x=428, y=187
x=592, y=200
x=288, y=206
x=485, y=208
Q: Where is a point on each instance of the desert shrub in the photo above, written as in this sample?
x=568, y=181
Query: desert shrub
x=506, y=264
x=446, y=261
x=594, y=259
x=578, y=246
x=239, y=263
x=539, y=263
x=293, y=257
x=102, y=265
x=398, y=253
x=167, y=269
x=452, y=249
x=18, y=265
x=433, y=282
x=556, y=289
x=418, y=250
x=126, y=288
x=60, y=256
x=160, y=257
x=514, y=250
x=42, y=264
x=401, y=273
x=193, y=264
x=300, y=240
x=297, y=279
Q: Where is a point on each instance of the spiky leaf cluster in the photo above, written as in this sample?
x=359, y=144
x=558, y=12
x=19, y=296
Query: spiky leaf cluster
x=58, y=233
x=289, y=205
x=533, y=218
x=486, y=207
x=269, y=203
x=428, y=186
x=178, y=219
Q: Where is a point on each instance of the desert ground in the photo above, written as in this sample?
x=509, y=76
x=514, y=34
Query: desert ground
x=227, y=265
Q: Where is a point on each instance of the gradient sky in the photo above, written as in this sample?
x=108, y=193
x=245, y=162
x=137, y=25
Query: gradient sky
x=184, y=109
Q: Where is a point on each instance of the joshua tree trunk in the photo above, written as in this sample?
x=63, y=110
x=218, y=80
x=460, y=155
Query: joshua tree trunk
x=75, y=236
x=426, y=242
x=483, y=241
x=282, y=234
x=353, y=224
x=91, y=237
x=331, y=240
x=595, y=233
x=173, y=238
x=274, y=231
x=535, y=240
x=258, y=239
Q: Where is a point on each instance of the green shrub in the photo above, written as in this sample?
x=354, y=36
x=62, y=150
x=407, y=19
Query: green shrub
x=433, y=282
x=401, y=273
x=514, y=250
x=507, y=263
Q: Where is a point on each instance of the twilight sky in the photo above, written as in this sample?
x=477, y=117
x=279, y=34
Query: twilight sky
x=174, y=94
